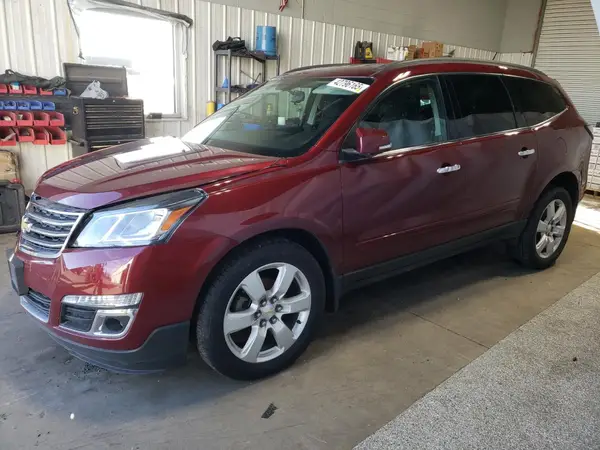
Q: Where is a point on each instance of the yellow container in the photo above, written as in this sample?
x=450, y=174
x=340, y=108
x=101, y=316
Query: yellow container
x=211, y=107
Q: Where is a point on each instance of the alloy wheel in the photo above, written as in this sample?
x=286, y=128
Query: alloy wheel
x=551, y=228
x=267, y=312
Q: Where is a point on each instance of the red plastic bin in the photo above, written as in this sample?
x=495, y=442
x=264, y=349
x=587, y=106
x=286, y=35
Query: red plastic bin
x=46, y=92
x=3, y=89
x=15, y=88
x=24, y=119
x=40, y=136
x=57, y=136
x=41, y=119
x=29, y=90
x=8, y=137
x=56, y=119
x=8, y=119
x=25, y=134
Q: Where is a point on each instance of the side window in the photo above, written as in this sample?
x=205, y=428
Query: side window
x=535, y=100
x=483, y=107
x=412, y=114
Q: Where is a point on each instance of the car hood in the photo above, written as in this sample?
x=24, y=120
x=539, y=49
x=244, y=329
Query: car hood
x=141, y=168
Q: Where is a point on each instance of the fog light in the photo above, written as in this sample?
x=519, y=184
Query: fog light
x=104, y=301
x=112, y=323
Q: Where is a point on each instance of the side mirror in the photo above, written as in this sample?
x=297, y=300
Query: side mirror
x=371, y=141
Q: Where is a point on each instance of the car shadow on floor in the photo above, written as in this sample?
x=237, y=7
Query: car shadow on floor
x=400, y=294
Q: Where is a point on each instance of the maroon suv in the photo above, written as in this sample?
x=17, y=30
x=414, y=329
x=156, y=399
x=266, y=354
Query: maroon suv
x=242, y=233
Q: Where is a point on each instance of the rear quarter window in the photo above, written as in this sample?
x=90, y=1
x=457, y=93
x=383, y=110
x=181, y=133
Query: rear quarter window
x=534, y=101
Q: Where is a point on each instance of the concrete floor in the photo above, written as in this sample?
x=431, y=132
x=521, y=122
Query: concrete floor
x=536, y=389
x=388, y=346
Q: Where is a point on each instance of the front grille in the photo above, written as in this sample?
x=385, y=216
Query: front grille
x=47, y=226
x=77, y=317
x=39, y=302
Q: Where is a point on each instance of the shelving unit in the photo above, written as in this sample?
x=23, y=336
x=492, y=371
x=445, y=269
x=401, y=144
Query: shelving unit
x=229, y=54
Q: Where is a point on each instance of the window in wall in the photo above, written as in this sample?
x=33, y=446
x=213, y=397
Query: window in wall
x=150, y=50
x=534, y=100
x=484, y=106
x=411, y=114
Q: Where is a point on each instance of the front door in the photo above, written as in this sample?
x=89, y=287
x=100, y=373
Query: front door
x=410, y=197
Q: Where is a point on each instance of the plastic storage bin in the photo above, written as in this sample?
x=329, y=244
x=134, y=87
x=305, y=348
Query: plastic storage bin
x=10, y=105
x=35, y=105
x=24, y=119
x=57, y=136
x=45, y=92
x=7, y=119
x=40, y=136
x=8, y=137
x=23, y=105
x=56, y=119
x=25, y=134
x=48, y=106
x=41, y=119
x=15, y=88
x=29, y=90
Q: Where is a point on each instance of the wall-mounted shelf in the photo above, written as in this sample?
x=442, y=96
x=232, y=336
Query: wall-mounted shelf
x=229, y=54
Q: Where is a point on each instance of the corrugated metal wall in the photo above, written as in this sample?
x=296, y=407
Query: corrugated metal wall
x=37, y=36
x=300, y=43
x=569, y=51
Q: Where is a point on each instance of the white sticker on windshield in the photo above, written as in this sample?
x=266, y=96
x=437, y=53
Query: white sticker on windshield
x=348, y=85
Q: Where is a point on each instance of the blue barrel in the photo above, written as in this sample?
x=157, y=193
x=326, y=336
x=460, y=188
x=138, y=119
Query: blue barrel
x=266, y=40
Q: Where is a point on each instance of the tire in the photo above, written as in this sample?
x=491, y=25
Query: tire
x=524, y=249
x=228, y=296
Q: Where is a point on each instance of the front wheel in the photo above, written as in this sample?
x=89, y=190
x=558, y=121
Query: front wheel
x=261, y=311
x=547, y=230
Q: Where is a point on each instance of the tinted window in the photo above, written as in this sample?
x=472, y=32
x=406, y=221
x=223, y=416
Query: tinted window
x=411, y=113
x=534, y=100
x=483, y=105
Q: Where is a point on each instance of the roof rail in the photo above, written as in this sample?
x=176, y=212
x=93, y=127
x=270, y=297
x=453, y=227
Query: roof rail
x=298, y=69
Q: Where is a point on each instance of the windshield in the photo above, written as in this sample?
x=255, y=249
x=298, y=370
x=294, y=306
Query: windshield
x=283, y=118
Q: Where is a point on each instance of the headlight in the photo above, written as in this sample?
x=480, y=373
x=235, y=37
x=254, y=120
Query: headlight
x=141, y=222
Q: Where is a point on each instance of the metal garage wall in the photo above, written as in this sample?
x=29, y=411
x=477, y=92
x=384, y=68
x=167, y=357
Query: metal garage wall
x=569, y=51
x=37, y=36
x=301, y=42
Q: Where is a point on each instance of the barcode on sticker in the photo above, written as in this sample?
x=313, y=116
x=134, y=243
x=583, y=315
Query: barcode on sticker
x=348, y=85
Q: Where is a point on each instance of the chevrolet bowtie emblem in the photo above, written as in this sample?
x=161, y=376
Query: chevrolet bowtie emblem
x=25, y=226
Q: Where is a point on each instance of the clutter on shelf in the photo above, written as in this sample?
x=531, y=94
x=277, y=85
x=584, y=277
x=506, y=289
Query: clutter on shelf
x=235, y=47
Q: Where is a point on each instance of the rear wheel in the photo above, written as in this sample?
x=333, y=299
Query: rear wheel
x=547, y=230
x=261, y=311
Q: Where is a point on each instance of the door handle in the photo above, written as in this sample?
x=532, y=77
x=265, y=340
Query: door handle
x=448, y=169
x=526, y=152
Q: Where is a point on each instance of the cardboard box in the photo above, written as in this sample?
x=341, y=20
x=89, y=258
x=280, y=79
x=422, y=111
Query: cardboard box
x=412, y=50
x=9, y=166
x=433, y=49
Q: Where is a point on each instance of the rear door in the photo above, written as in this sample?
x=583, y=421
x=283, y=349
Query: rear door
x=538, y=105
x=500, y=156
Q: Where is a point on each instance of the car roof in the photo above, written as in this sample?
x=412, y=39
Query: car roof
x=419, y=66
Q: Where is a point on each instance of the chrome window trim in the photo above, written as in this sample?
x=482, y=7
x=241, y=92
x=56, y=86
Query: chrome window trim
x=399, y=151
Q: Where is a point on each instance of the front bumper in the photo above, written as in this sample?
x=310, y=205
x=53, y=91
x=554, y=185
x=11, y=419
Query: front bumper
x=166, y=347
